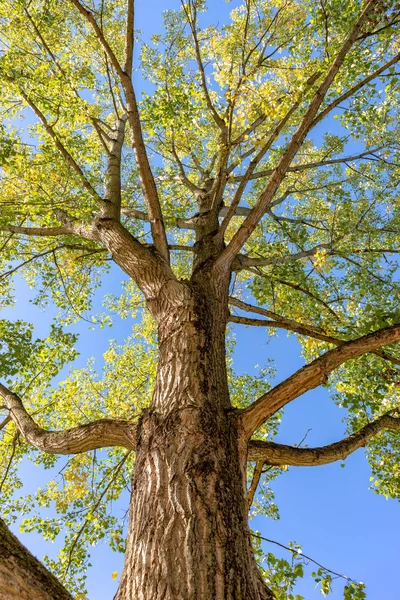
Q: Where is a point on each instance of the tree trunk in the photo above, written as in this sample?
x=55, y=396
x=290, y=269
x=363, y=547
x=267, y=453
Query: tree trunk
x=22, y=576
x=188, y=536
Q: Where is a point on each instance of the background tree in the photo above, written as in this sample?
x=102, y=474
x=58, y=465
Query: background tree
x=224, y=196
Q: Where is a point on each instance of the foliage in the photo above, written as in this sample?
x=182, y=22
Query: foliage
x=324, y=255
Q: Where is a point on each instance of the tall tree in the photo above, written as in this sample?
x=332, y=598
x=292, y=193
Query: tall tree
x=226, y=194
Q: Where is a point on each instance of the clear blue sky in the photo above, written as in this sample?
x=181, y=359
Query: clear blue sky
x=328, y=510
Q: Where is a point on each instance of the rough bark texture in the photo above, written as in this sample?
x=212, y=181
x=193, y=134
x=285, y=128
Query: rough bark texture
x=22, y=576
x=188, y=537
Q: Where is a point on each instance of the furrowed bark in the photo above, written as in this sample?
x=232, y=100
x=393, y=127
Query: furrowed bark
x=148, y=269
x=22, y=576
x=188, y=536
x=281, y=454
x=310, y=376
x=97, y=434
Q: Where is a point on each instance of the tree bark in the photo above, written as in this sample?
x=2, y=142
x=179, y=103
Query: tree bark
x=22, y=576
x=188, y=536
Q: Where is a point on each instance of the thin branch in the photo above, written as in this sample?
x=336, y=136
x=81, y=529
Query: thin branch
x=301, y=555
x=311, y=376
x=244, y=232
x=351, y=91
x=252, y=127
x=310, y=165
x=101, y=134
x=10, y=460
x=243, y=261
x=255, y=322
x=60, y=147
x=115, y=472
x=281, y=454
x=257, y=159
x=192, y=20
x=98, y=434
x=41, y=255
x=291, y=325
x=182, y=175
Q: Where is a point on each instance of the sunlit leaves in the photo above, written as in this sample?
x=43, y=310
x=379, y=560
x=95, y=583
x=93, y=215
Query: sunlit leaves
x=327, y=246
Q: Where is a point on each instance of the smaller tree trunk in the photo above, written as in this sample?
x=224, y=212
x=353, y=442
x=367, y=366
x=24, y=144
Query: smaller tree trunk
x=22, y=576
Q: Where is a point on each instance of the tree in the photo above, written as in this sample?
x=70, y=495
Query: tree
x=225, y=197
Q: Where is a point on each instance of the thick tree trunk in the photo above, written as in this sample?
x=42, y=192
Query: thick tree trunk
x=188, y=537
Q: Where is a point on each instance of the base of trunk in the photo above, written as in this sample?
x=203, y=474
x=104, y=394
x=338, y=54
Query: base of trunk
x=188, y=536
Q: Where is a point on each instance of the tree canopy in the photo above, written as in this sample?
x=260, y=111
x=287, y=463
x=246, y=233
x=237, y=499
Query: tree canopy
x=283, y=123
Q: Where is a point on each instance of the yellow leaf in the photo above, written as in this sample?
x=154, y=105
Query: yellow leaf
x=114, y=575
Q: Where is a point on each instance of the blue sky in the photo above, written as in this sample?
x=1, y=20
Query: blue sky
x=328, y=510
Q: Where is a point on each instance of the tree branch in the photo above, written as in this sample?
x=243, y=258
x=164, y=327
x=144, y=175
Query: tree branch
x=244, y=232
x=192, y=20
x=291, y=325
x=113, y=183
x=258, y=469
x=22, y=575
x=149, y=188
x=130, y=37
x=36, y=231
x=355, y=88
x=255, y=322
x=60, y=147
x=257, y=159
x=98, y=434
x=243, y=261
x=310, y=165
x=311, y=376
x=280, y=454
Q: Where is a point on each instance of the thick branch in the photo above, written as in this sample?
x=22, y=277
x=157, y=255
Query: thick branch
x=113, y=183
x=130, y=37
x=311, y=376
x=280, y=454
x=149, y=188
x=254, y=482
x=98, y=434
x=36, y=231
x=251, y=222
x=154, y=276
